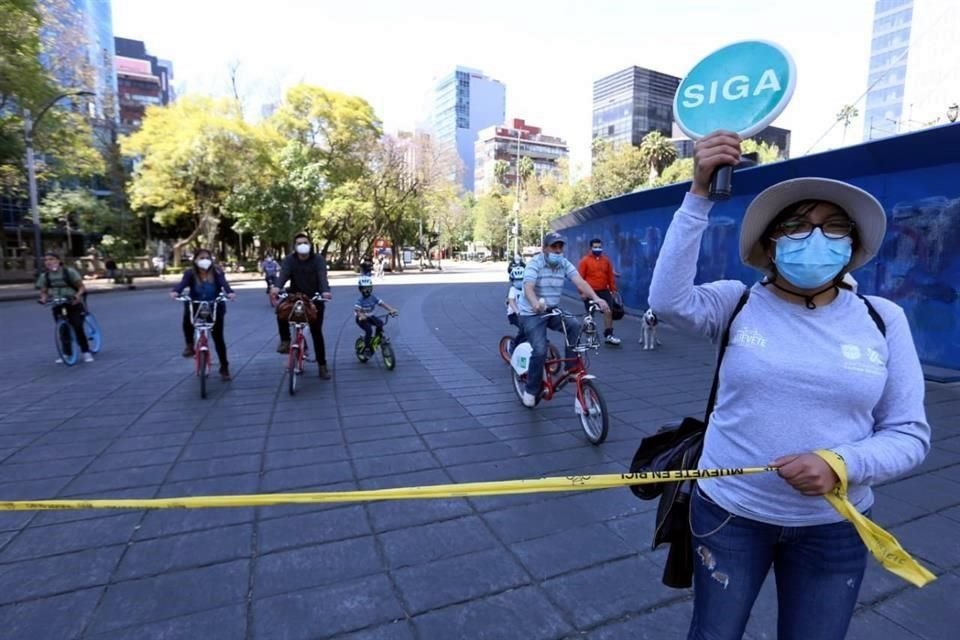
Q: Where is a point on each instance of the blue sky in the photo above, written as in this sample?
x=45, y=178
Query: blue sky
x=548, y=53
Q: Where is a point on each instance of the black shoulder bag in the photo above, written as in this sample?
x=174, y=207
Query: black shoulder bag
x=672, y=448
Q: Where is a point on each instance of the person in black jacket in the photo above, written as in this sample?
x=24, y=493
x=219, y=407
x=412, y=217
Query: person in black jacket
x=307, y=274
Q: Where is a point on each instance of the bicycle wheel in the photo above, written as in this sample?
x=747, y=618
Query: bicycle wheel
x=519, y=383
x=506, y=347
x=203, y=359
x=92, y=329
x=593, y=417
x=553, y=355
x=293, y=364
x=66, y=338
x=359, y=347
x=389, y=360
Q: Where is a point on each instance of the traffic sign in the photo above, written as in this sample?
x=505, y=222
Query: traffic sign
x=741, y=87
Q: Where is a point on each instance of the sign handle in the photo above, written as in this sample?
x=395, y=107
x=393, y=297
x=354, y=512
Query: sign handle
x=721, y=182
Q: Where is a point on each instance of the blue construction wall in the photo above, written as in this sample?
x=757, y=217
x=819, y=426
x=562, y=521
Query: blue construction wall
x=917, y=179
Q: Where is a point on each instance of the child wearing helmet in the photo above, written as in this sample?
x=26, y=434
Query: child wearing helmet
x=364, y=307
x=513, y=296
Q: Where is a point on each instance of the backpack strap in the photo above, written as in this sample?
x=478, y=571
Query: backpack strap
x=66, y=278
x=874, y=315
x=723, y=348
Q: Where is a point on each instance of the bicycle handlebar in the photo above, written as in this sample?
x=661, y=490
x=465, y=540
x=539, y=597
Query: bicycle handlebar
x=221, y=297
x=317, y=297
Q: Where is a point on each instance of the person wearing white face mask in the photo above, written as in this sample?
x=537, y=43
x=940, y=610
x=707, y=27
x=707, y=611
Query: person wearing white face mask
x=809, y=365
x=205, y=282
x=307, y=273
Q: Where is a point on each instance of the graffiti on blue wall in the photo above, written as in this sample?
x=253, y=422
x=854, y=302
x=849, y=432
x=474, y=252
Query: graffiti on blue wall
x=917, y=179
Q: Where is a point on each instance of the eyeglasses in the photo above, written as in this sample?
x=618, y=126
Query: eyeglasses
x=800, y=229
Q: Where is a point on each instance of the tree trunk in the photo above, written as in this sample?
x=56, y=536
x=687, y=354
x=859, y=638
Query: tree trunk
x=180, y=244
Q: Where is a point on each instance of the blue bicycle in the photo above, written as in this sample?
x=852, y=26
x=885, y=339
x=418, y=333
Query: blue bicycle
x=65, y=336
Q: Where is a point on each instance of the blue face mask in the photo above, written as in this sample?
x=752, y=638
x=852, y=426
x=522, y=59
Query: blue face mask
x=814, y=261
x=553, y=259
x=597, y=251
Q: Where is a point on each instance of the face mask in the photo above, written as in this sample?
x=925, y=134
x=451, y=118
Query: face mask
x=814, y=261
x=554, y=259
x=597, y=250
x=365, y=293
x=303, y=249
x=204, y=263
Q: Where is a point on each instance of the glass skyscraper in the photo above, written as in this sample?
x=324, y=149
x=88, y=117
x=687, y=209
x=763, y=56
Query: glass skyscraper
x=632, y=103
x=465, y=102
x=887, y=77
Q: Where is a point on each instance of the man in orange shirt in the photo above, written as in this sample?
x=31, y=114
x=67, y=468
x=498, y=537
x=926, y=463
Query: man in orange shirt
x=597, y=270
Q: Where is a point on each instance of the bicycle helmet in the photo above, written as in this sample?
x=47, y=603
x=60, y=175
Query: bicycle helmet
x=516, y=273
x=365, y=284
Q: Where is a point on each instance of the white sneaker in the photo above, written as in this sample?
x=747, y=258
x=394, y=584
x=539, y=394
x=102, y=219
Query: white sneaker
x=528, y=399
x=87, y=357
x=612, y=339
x=58, y=361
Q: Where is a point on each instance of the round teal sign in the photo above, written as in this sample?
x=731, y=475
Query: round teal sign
x=741, y=87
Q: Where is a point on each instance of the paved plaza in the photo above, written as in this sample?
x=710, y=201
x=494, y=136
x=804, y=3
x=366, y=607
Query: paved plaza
x=575, y=565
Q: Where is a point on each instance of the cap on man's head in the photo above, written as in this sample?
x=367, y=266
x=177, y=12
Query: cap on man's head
x=553, y=238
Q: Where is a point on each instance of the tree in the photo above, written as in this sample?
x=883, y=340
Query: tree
x=525, y=170
x=492, y=218
x=766, y=153
x=75, y=209
x=191, y=153
x=846, y=115
x=657, y=153
x=617, y=170
x=500, y=170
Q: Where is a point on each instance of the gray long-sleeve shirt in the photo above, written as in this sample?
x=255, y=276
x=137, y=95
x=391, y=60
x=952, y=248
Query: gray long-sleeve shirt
x=794, y=380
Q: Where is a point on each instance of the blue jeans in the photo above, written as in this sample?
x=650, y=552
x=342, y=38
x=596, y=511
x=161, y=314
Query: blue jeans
x=368, y=324
x=535, y=330
x=818, y=570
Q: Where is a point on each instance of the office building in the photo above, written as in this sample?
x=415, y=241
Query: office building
x=505, y=143
x=914, y=73
x=142, y=80
x=464, y=102
x=631, y=103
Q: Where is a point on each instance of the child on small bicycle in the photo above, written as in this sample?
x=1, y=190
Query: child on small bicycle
x=513, y=299
x=364, y=307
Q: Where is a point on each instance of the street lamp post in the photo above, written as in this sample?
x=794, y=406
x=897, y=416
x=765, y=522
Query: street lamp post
x=29, y=127
x=516, y=206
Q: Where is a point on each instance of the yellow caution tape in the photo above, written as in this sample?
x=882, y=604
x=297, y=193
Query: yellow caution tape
x=884, y=547
x=465, y=490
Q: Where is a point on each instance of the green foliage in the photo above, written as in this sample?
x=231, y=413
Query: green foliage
x=657, y=153
x=617, y=170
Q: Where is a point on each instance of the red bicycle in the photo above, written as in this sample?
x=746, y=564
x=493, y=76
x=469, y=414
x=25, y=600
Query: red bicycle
x=588, y=403
x=203, y=317
x=298, y=338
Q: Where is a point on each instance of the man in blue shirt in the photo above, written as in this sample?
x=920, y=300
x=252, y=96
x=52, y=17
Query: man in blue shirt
x=543, y=282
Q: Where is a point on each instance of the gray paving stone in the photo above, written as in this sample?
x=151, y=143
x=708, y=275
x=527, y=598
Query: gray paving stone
x=925, y=611
x=489, y=572
x=537, y=520
x=312, y=528
x=318, y=565
x=306, y=456
x=41, y=453
x=306, y=478
x=391, y=465
x=144, y=442
x=102, y=482
x=518, y=613
x=666, y=623
x=222, y=449
x=186, y=550
x=386, y=447
x=607, y=592
x=327, y=611
x=210, y=434
x=458, y=438
x=225, y=622
x=927, y=492
x=302, y=440
x=215, y=467
x=931, y=538
x=62, y=616
x=226, y=485
x=399, y=630
x=39, y=578
x=550, y=556
x=474, y=453
x=139, y=602
x=368, y=434
x=869, y=625
x=109, y=461
x=435, y=541
x=167, y=522
x=49, y=469
x=38, y=542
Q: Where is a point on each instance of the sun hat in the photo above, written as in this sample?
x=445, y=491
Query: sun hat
x=866, y=212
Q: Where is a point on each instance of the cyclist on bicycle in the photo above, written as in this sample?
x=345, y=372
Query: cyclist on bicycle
x=205, y=282
x=514, y=293
x=364, y=307
x=307, y=273
x=59, y=281
x=543, y=281
x=270, y=268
